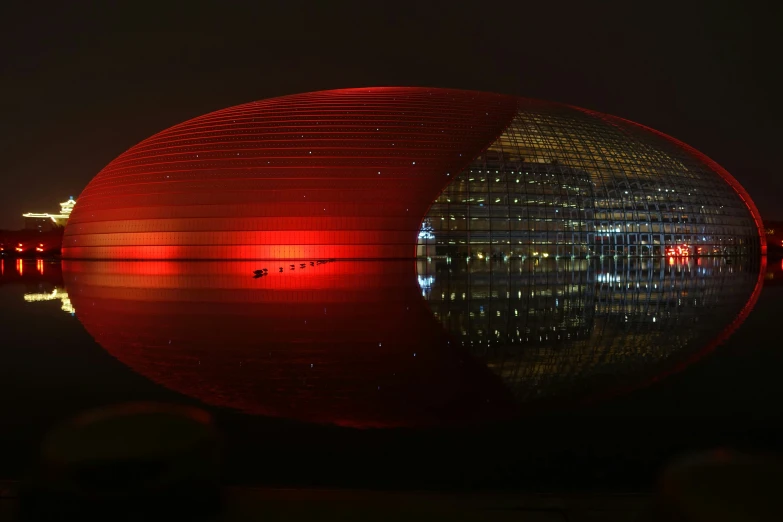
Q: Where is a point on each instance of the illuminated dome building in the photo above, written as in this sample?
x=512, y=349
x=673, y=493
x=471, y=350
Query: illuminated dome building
x=397, y=172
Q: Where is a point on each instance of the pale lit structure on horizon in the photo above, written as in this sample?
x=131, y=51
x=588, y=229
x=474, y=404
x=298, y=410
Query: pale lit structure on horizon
x=44, y=222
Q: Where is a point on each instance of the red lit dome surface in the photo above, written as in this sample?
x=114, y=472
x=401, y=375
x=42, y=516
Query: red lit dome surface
x=335, y=174
x=353, y=173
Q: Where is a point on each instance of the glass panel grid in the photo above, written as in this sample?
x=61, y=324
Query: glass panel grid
x=564, y=183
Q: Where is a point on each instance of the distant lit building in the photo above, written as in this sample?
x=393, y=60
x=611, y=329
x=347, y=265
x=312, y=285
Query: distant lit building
x=774, y=233
x=47, y=222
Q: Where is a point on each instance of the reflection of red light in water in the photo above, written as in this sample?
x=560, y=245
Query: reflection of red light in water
x=339, y=342
x=40, y=272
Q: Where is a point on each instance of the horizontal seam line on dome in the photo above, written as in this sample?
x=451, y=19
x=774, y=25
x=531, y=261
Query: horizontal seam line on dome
x=106, y=186
x=137, y=245
x=277, y=191
x=325, y=120
x=454, y=140
x=221, y=230
x=388, y=103
x=391, y=114
x=418, y=172
x=454, y=134
x=284, y=148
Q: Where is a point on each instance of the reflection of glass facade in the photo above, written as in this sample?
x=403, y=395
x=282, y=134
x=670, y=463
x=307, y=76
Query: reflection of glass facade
x=561, y=181
x=551, y=328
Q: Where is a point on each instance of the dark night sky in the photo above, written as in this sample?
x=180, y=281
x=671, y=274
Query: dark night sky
x=79, y=85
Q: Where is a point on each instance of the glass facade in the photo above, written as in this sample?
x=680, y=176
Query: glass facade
x=565, y=182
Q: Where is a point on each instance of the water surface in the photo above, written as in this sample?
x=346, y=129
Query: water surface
x=406, y=373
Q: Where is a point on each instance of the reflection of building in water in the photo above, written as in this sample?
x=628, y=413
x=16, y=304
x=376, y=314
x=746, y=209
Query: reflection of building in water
x=376, y=344
x=774, y=275
x=42, y=280
x=57, y=293
x=550, y=328
x=347, y=343
x=37, y=272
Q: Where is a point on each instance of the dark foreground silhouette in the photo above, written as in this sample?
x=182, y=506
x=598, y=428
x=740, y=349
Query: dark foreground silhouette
x=146, y=461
